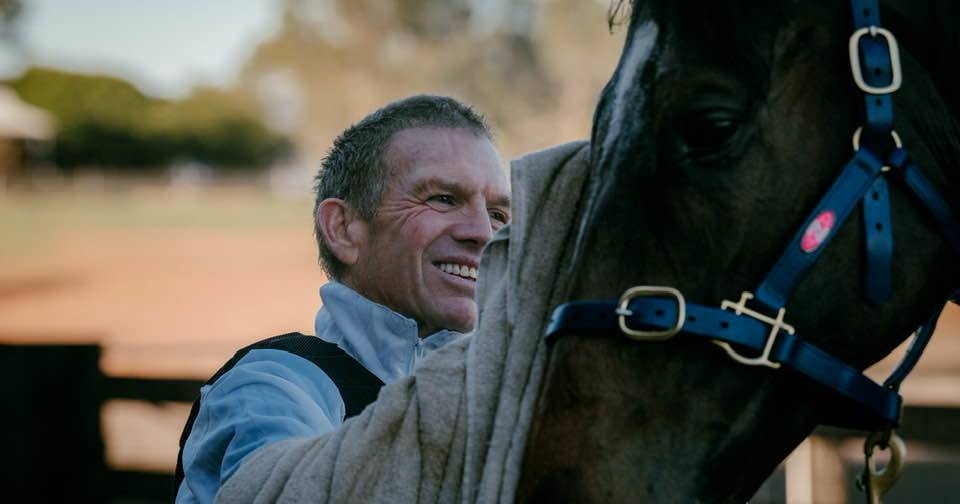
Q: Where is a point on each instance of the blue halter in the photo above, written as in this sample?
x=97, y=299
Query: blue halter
x=663, y=312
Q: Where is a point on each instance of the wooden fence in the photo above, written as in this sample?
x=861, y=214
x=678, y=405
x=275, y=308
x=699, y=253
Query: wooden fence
x=53, y=445
x=51, y=426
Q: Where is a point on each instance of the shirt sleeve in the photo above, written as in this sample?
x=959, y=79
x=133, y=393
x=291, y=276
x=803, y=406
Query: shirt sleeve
x=268, y=396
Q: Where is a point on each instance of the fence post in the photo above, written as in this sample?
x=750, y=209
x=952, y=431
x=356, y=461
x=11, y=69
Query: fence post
x=50, y=425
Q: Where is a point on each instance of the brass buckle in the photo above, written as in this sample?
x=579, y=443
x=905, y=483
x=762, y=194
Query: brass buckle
x=650, y=291
x=854, y=47
x=775, y=325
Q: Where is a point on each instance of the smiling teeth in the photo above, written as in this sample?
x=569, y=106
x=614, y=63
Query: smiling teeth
x=459, y=270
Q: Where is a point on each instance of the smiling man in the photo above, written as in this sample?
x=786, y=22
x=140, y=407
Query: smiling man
x=405, y=202
x=418, y=253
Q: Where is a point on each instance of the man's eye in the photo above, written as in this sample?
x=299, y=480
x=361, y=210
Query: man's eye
x=443, y=199
x=499, y=216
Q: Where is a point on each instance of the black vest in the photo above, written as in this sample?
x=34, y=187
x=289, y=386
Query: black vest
x=357, y=386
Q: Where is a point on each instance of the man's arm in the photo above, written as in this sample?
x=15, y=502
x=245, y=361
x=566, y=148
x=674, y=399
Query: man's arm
x=270, y=395
x=408, y=446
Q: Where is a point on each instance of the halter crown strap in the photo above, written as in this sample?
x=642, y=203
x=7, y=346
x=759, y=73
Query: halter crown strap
x=875, y=56
x=875, y=64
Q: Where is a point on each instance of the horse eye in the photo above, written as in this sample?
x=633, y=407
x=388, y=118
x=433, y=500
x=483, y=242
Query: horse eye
x=703, y=136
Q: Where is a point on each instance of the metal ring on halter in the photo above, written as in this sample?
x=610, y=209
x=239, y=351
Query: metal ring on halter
x=876, y=483
x=623, y=311
x=859, y=131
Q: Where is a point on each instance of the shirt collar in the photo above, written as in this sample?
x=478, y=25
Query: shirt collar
x=382, y=340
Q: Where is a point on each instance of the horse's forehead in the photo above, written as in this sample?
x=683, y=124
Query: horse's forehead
x=731, y=26
x=742, y=45
x=635, y=56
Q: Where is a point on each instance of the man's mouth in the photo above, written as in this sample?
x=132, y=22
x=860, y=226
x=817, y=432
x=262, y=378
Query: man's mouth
x=460, y=270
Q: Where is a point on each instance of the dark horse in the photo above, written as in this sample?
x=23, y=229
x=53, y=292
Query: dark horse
x=723, y=125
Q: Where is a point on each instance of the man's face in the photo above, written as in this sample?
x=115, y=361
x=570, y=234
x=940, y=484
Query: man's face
x=446, y=195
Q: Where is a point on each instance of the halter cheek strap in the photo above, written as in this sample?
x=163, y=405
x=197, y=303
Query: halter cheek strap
x=878, y=233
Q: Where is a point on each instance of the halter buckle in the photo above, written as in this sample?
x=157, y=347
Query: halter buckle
x=776, y=324
x=897, y=76
x=623, y=311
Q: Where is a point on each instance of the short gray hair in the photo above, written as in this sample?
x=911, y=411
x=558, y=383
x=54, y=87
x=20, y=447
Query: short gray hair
x=355, y=170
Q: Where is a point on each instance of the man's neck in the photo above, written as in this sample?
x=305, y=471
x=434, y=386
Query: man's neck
x=423, y=330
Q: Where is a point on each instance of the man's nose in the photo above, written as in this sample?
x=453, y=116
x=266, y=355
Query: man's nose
x=474, y=224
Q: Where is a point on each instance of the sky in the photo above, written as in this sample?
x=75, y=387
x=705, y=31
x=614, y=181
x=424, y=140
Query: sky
x=165, y=47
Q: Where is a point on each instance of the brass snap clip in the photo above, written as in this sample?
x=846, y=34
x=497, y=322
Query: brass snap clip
x=876, y=482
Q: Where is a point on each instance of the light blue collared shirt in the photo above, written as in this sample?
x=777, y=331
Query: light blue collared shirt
x=271, y=395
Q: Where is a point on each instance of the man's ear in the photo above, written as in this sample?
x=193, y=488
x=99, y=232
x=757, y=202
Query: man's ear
x=344, y=232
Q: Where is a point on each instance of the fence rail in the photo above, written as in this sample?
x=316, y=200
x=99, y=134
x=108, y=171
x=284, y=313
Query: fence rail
x=54, y=449
x=154, y=390
x=51, y=426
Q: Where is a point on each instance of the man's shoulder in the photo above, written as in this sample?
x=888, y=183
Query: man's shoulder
x=300, y=364
x=262, y=396
x=270, y=368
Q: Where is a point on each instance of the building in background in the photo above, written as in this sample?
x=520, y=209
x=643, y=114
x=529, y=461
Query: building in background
x=20, y=124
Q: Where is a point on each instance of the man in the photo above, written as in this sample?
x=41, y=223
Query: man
x=405, y=201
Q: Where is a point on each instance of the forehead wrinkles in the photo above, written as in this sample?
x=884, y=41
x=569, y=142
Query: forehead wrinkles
x=457, y=160
x=421, y=145
x=399, y=156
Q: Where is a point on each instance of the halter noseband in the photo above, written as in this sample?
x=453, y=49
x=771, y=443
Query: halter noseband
x=663, y=312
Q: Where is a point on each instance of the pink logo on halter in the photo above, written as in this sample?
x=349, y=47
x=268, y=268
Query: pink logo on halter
x=817, y=231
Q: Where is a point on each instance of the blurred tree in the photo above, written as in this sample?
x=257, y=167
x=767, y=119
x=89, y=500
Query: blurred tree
x=11, y=48
x=76, y=97
x=107, y=122
x=533, y=67
x=10, y=11
x=215, y=127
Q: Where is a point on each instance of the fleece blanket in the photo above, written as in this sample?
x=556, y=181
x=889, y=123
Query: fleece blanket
x=456, y=430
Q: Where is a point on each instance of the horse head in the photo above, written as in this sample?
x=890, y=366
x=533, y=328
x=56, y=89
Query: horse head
x=722, y=127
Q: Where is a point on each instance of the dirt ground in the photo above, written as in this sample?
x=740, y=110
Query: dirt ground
x=171, y=285
x=166, y=303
